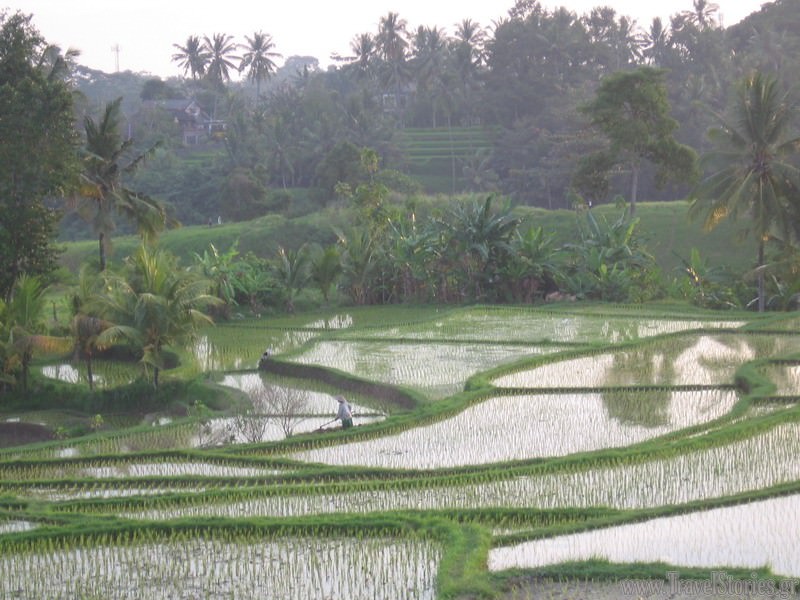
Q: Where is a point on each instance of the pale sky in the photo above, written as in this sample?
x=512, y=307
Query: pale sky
x=145, y=30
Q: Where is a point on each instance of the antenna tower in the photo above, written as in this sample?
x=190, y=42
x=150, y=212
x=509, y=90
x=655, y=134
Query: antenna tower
x=115, y=50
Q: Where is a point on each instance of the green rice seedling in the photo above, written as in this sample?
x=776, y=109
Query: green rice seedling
x=758, y=534
x=656, y=424
x=81, y=492
x=678, y=360
x=314, y=402
x=114, y=465
x=763, y=460
x=334, y=322
x=106, y=373
x=437, y=369
x=536, y=325
x=507, y=428
x=226, y=347
x=225, y=431
x=174, y=469
x=272, y=567
x=16, y=526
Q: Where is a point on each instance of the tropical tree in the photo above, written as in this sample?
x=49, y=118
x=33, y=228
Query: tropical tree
x=86, y=330
x=103, y=193
x=153, y=304
x=220, y=48
x=57, y=64
x=363, y=49
x=392, y=43
x=38, y=156
x=532, y=268
x=610, y=262
x=753, y=173
x=480, y=244
x=292, y=272
x=326, y=267
x=219, y=268
x=361, y=255
x=21, y=321
x=469, y=39
x=257, y=59
x=85, y=327
x=468, y=56
x=430, y=54
x=656, y=43
x=193, y=57
x=703, y=14
x=412, y=249
x=631, y=109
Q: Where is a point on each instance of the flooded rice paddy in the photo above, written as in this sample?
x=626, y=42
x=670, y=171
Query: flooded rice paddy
x=604, y=408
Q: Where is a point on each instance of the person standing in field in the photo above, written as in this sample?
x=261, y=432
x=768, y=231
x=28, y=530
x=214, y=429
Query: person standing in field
x=345, y=413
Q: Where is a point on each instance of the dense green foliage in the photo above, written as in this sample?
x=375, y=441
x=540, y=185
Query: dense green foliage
x=37, y=148
x=755, y=174
x=102, y=193
x=479, y=109
x=632, y=110
x=484, y=426
x=150, y=305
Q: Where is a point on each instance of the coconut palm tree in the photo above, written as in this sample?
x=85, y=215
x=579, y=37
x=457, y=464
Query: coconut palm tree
x=192, y=57
x=392, y=43
x=86, y=330
x=153, y=304
x=56, y=64
x=753, y=173
x=360, y=260
x=22, y=329
x=85, y=327
x=656, y=43
x=469, y=39
x=220, y=48
x=703, y=14
x=257, y=59
x=292, y=272
x=102, y=192
x=363, y=50
x=430, y=54
x=326, y=267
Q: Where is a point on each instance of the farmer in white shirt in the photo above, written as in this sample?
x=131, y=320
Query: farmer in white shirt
x=345, y=413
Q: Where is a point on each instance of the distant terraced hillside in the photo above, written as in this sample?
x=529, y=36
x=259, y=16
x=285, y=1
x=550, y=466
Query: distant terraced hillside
x=437, y=157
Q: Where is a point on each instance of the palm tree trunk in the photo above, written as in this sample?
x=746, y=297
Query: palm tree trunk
x=102, y=252
x=25, y=362
x=452, y=155
x=760, y=268
x=634, y=188
x=89, y=375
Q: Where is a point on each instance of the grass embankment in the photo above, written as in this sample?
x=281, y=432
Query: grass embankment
x=667, y=232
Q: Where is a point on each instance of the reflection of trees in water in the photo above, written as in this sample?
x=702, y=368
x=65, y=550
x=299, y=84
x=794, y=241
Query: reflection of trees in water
x=651, y=364
x=620, y=331
x=722, y=352
x=781, y=376
x=705, y=359
x=645, y=408
x=765, y=346
x=726, y=353
x=785, y=376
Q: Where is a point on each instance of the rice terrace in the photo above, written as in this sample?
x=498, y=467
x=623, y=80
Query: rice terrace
x=497, y=452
